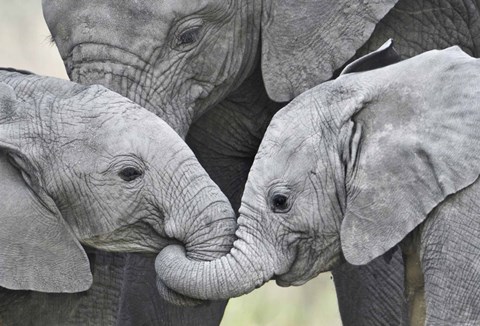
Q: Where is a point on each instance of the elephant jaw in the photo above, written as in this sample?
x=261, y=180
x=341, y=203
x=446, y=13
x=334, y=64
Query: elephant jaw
x=307, y=264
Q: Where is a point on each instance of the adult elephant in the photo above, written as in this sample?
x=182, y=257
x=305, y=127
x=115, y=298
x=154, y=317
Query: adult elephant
x=214, y=71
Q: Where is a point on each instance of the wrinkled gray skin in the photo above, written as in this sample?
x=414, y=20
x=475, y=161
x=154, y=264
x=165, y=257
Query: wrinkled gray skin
x=352, y=167
x=206, y=67
x=84, y=165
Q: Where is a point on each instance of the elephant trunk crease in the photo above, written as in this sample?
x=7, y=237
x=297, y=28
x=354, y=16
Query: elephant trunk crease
x=232, y=275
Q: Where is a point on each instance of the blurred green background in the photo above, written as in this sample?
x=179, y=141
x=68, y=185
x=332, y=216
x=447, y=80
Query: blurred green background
x=25, y=44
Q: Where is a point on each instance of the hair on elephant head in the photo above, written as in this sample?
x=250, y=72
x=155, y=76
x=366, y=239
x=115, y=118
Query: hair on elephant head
x=351, y=165
x=84, y=165
x=178, y=58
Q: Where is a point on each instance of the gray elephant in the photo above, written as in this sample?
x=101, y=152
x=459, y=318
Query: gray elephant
x=84, y=165
x=206, y=67
x=355, y=167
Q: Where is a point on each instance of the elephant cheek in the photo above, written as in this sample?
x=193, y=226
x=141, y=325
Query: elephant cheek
x=137, y=237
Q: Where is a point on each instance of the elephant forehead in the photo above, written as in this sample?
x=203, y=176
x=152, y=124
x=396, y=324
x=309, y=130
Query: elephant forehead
x=122, y=11
x=142, y=9
x=287, y=162
x=294, y=148
x=292, y=137
x=308, y=115
x=102, y=122
x=176, y=6
x=133, y=131
x=108, y=114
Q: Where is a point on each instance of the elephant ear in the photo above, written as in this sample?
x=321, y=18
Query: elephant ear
x=416, y=141
x=305, y=41
x=384, y=56
x=37, y=249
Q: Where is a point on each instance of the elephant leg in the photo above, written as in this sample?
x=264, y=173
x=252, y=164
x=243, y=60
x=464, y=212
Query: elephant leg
x=124, y=293
x=450, y=255
x=37, y=308
x=97, y=306
x=92, y=307
x=226, y=139
x=372, y=294
x=140, y=303
x=414, y=282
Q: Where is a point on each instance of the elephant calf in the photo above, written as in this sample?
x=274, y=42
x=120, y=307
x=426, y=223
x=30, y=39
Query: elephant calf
x=357, y=166
x=85, y=165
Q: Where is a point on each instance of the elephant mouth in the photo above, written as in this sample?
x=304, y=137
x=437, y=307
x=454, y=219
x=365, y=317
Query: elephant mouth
x=299, y=274
x=307, y=265
x=141, y=237
x=295, y=276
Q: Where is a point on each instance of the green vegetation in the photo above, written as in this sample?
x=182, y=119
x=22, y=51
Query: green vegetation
x=312, y=304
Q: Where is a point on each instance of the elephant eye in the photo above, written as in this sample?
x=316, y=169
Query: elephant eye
x=130, y=174
x=189, y=36
x=280, y=204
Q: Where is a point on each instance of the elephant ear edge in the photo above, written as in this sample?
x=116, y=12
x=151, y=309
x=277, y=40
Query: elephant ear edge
x=382, y=57
x=419, y=144
x=304, y=42
x=38, y=251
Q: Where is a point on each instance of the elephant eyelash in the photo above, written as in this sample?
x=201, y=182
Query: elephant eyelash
x=50, y=40
x=187, y=34
x=125, y=162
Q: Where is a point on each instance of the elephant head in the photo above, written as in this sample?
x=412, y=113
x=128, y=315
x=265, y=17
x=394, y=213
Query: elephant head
x=351, y=166
x=85, y=165
x=178, y=58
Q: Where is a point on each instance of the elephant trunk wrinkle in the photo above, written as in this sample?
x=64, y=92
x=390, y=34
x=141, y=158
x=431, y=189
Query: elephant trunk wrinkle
x=100, y=52
x=140, y=86
x=213, y=239
x=239, y=272
x=201, y=217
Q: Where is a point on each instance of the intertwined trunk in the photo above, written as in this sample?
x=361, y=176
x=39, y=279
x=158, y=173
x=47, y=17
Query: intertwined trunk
x=197, y=213
x=247, y=266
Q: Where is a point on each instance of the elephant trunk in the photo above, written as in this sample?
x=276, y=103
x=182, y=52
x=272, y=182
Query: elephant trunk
x=243, y=269
x=198, y=214
x=125, y=73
